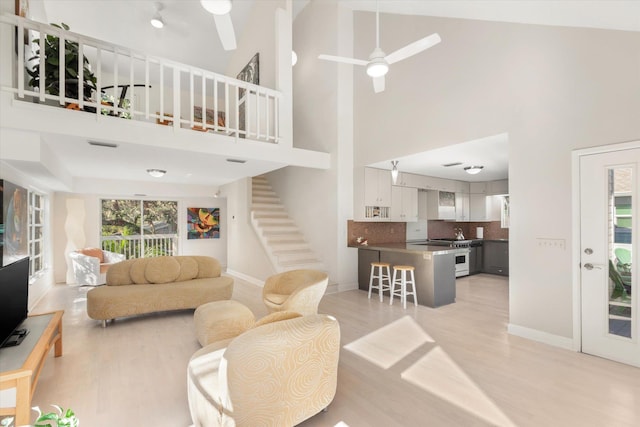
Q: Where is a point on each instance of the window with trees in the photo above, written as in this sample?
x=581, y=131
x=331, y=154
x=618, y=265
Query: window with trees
x=139, y=228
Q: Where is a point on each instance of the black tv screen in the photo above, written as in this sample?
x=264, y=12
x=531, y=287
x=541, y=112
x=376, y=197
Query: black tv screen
x=14, y=297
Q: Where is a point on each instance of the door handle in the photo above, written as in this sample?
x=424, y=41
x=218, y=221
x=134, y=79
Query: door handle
x=590, y=266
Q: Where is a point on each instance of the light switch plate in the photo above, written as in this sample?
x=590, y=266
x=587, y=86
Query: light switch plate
x=548, y=243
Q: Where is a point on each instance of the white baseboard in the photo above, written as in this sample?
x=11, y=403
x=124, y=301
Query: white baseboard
x=245, y=277
x=347, y=286
x=541, y=336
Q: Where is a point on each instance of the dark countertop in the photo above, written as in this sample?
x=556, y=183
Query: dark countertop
x=413, y=248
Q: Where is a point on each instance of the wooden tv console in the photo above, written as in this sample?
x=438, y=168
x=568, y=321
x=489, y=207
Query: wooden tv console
x=20, y=366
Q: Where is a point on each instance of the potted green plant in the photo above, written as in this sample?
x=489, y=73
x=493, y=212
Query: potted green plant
x=51, y=58
x=61, y=418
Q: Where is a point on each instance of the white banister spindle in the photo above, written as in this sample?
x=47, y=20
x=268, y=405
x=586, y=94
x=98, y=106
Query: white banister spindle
x=277, y=120
x=191, y=98
x=41, y=66
x=21, y=64
x=161, y=90
x=257, y=114
x=267, y=114
x=176, y=98
x=204, y=102
x=215, y=104
x=99, y=80
x=226, y=105
x=116, y=110
x=146, y=87
x=80, y=75
x=61, y=71
x=247, y=113
x=131, y=77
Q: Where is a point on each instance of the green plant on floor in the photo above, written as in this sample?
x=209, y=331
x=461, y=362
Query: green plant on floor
x=60, y=418
x=51, y=58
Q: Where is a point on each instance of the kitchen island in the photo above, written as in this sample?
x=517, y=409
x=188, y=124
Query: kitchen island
x=434, y=268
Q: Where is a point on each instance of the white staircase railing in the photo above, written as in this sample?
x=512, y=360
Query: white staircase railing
x=138, y=86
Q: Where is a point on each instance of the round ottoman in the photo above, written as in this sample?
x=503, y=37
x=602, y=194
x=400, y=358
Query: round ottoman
x=221, y=320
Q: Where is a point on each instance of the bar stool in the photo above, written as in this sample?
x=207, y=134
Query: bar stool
x=402, y=281
x=381, y=276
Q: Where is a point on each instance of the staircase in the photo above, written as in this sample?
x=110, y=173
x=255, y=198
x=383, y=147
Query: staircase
x=280, y=237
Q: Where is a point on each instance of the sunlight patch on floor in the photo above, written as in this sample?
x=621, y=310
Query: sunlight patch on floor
x=391, y=343
x=437, y=373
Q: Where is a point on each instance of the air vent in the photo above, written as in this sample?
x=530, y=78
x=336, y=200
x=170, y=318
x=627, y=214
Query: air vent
x=103, y=144
x=236, y=161
x=448, y=165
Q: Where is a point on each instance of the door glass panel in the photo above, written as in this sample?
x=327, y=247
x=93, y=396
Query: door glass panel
x=621, y=218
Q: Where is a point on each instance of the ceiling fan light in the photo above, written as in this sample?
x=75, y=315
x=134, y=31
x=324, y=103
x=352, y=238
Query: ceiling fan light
x=377, y=68
x=473, y=170
x=156, y=173
x=157, y=21
x=217, y=7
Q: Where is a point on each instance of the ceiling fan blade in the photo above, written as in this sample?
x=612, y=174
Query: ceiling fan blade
x=343, y=59
x=413, y=48
x=225, y=31
x=378, y=84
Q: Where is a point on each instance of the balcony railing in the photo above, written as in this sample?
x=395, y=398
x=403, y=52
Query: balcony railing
x=135, y=85
x=141, y=246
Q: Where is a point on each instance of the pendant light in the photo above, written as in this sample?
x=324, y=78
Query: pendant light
x=394, y=171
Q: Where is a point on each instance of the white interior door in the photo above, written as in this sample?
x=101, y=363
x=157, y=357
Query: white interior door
x=609, y=184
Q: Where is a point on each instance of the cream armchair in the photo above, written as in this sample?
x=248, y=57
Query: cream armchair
x=90, y=265
x=275, y=374
x=296, y=290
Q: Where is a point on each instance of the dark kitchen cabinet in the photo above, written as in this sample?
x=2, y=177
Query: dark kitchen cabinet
x=496, y=257
x=475, y=259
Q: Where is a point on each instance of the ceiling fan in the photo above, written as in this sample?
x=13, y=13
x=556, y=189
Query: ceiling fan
x=221, y=10
x=378, y=63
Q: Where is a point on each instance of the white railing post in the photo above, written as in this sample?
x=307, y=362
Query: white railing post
x=62, y=92
x=176, y=98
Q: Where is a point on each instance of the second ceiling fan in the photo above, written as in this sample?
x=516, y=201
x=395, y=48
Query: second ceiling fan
x=378, y=63
x=221, y=11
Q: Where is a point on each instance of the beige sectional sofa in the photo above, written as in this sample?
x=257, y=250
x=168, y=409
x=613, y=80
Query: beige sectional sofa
x=148, y=285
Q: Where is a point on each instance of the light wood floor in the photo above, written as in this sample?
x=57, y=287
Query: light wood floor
x=451, y=366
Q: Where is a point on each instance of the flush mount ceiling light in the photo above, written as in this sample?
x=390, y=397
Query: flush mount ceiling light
x=472, y=170
x=394, y=171
x=157, y=20
x=156, y=173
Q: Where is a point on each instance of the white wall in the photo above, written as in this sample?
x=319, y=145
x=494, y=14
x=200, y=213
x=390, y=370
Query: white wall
x=552, y=89
x=320, y=202
x=76, y=224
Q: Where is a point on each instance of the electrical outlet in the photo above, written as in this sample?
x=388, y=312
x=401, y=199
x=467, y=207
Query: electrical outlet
x=547, y=243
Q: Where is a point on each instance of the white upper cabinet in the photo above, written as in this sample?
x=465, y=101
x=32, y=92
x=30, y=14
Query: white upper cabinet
x=462, y=207
x=478, y=188
x=377, y=187
x=404, y=204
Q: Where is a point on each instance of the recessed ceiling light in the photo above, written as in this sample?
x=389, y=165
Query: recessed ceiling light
x=156, y=173
x=103, y=144
x=236, y=161
x=473, y=169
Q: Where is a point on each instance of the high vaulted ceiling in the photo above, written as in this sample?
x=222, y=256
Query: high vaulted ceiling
x=190, y=36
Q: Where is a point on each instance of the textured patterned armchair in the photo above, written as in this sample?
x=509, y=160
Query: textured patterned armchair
x=276, y=374
x=296, y=290
x=90, y=265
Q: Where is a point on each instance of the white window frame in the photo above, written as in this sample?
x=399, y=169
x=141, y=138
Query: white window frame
x=36, y=244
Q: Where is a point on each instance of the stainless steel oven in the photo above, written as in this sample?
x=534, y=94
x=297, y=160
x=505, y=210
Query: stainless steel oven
x=461, y=259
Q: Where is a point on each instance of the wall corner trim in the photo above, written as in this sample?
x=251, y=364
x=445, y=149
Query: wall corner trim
x=245, y=277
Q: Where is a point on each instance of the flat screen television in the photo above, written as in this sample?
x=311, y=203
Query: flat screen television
x=14, y=299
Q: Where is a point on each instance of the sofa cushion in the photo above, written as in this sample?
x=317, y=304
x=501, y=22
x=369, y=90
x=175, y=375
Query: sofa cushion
x=163, y=269
x=93, y=252
x=138, y=269
x=207, y=266
x=188, y=268
x=120, y=273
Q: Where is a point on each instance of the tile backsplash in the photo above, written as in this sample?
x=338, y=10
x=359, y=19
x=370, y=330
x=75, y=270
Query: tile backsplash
x=395, y=232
